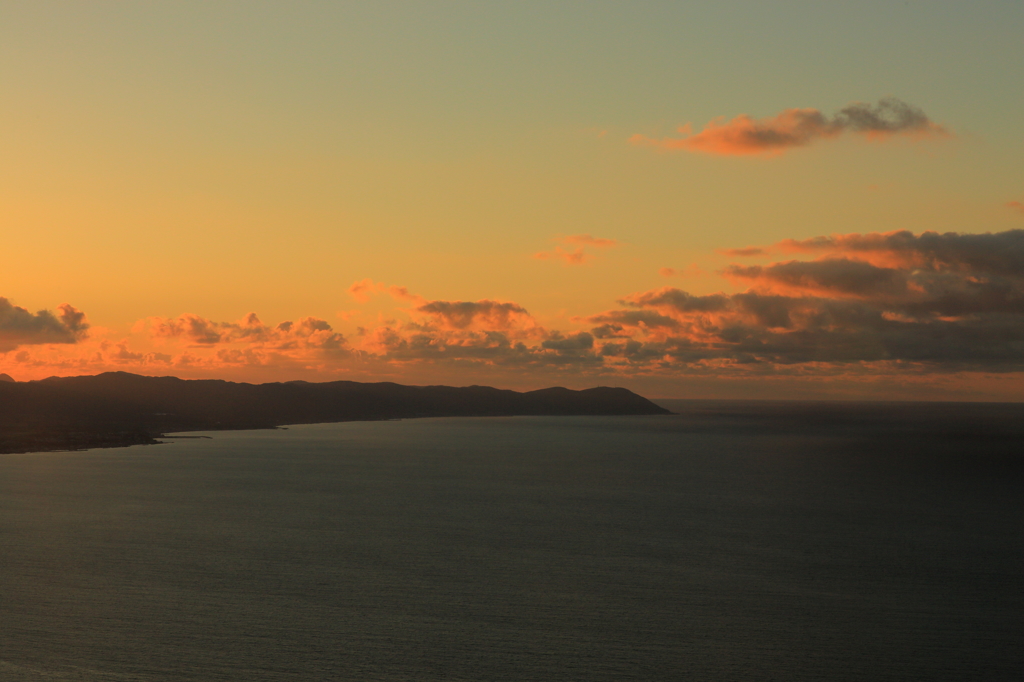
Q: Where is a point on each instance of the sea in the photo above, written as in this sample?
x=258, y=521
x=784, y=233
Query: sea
x=731, y=541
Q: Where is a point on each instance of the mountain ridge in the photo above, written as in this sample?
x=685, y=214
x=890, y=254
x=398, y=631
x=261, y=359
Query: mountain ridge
x=119, y=408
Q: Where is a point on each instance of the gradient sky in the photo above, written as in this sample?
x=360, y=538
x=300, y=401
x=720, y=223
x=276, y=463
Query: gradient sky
x=169, y=168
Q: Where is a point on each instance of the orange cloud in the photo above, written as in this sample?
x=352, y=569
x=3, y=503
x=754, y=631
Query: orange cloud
x=192, y=327
x=880, y=304
x=745, y=135
x=402, y=294
x=348, y=315
x=587, y=240
x=577, y=256
x=364, y=289
x=308, y=332
x=692, y=271
x=574, y=257
x=1016, y=205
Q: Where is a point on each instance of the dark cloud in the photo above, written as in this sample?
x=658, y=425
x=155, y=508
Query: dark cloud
x=945, y=301
x=613, y=322
x=890, y=115
x=307, y=333
x=468, y=349
x=744, y=253
x=575, y=342
x=610, y=331
x=467, y=314
x=19, y=327
x=678, y=300
x=1000, y=253
x=836, y=276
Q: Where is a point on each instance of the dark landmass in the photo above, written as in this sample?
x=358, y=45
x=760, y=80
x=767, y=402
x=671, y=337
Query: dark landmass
x=119, y=409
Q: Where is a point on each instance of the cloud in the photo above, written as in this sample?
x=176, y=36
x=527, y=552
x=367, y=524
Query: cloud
x=577, y=256
x=676, y=300
x=19, y=327
x=364, y=289
x=884, y=305
x=478, y=334
x=581, y=341
x=613, y=322
x=403, y=294
x=745, y=135
x=308, y=332
x=1000, y=253
x=196, y=329
x=944, y=301
x=587, y=240
x=769, y=330
x=692, y=271
x=1016, y=206
x=478, y=315
x=744, y=253
x=574, y=257
x=831, y=276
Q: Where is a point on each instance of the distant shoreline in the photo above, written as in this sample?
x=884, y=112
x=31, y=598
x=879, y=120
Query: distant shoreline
x=118, y=409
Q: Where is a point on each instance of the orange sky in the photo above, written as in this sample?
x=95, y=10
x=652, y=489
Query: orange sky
x=518, y=195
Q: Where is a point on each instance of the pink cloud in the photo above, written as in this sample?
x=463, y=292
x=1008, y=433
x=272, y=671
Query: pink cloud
x=1016, y=206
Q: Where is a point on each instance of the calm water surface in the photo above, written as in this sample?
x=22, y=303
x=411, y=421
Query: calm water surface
x=634, y=548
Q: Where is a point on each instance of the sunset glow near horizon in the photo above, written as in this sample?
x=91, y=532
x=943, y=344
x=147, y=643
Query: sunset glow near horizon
x=712, y=200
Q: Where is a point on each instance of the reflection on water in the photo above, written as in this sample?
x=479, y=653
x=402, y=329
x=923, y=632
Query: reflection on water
x=732, y=542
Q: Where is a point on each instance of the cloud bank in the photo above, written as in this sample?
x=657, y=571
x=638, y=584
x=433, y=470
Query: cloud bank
x=879, y=305
x=745, y=135
x=945, y=301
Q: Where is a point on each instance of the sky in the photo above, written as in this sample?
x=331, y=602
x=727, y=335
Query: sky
x=713, y=200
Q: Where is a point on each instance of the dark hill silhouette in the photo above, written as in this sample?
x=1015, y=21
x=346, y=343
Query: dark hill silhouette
x=118, y=408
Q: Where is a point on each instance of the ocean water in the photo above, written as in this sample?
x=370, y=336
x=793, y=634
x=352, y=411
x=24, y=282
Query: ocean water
x=732, y=542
